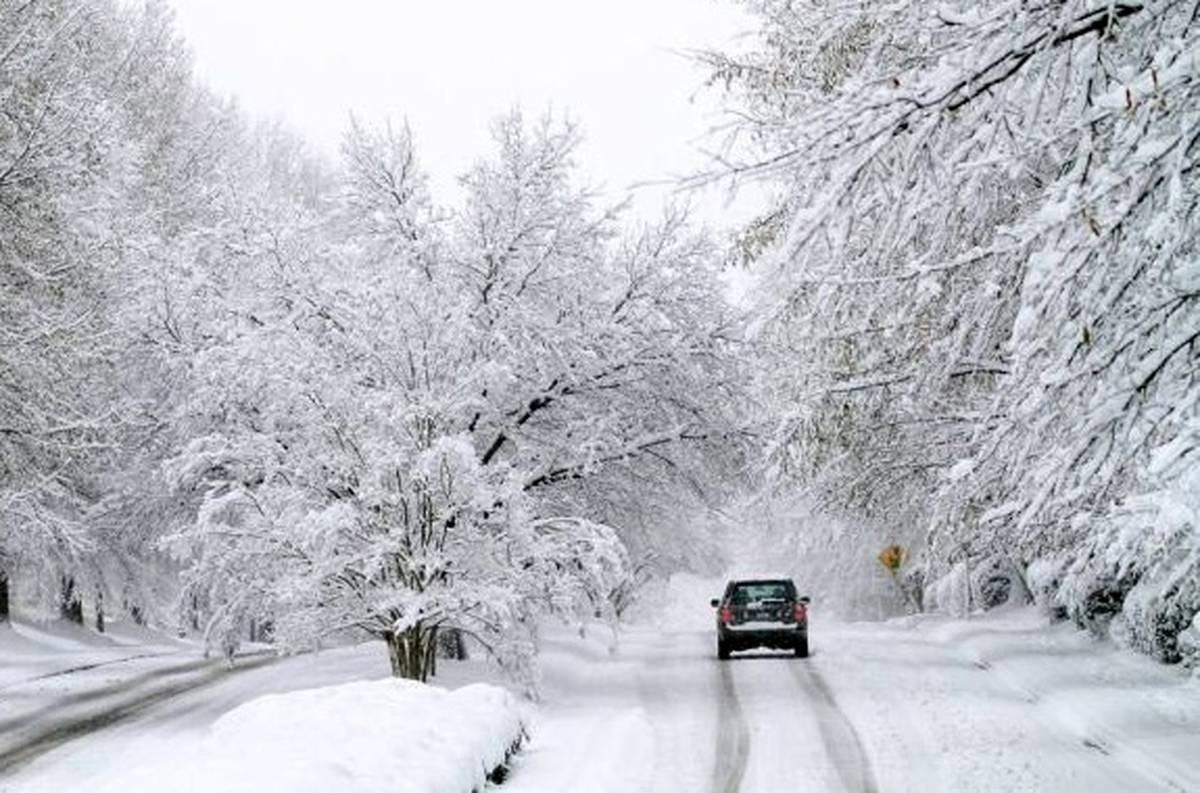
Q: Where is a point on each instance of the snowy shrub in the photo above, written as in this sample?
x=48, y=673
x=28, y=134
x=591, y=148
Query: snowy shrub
x=966, y=588
x=1160, y=533
x=1044, y=576
x=1157, y=611
x=951, y=594
x=993, y=583
x=1092, y=594
x=1189, y=643
x=384, y=736
x=1143, y=566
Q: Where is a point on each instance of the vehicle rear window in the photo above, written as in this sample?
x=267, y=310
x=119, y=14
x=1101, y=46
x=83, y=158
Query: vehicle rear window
x=755, y=591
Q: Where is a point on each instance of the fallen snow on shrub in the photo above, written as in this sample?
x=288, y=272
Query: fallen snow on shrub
x=1189, y=643
x=383, y=736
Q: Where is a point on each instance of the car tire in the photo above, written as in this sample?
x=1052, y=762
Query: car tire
x=802, y=647
x=722, y=650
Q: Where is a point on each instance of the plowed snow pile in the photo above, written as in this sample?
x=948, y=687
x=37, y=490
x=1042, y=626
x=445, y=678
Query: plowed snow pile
x=382, y=736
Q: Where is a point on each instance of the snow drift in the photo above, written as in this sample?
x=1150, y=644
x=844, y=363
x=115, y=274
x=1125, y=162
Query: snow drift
x=383, y=736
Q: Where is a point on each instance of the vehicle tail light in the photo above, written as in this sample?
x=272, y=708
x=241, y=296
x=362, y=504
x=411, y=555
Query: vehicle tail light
x=726, y=614
x=800, y=613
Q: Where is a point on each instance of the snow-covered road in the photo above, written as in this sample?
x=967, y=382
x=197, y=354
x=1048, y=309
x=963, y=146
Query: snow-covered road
x=1003, y=702
x=44, y=724
x=131, y=734
x=666, y=715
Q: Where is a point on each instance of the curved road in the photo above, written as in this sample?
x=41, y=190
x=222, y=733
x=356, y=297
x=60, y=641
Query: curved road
x=142, y=724
x=73, y=716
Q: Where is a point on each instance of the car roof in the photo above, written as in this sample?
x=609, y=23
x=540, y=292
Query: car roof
x=763, y=580
x=759, y=575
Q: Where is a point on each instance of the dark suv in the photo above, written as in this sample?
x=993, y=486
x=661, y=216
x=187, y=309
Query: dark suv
x=761, y=612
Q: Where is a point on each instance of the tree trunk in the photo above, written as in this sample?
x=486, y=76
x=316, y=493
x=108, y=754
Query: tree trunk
x=70, y=606
x=4, y=608
x=409, y=652
x=100, y=611
x=451, y=645
x=1018, y=573
x=431, y=646
x=395, y=658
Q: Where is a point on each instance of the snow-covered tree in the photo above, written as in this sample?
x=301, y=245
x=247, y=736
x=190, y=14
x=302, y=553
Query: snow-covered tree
x=412, y=402
x=67, y=72
x=121, y=183
x=982, y=303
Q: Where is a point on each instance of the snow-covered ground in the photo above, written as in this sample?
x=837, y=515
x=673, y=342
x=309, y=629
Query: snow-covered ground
x=150, y=740
x=377, y=736
x=1001, y=702
x=43, y=651
x=60, y=681
x=1007, y=702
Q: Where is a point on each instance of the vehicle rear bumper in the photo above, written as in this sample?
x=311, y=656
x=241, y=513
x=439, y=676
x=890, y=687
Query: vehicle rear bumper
x=782, y=637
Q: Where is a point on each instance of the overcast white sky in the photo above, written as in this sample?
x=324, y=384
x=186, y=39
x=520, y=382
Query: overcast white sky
x=449, y=66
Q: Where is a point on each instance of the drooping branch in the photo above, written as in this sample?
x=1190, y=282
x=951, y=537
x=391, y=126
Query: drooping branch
x=635, y=449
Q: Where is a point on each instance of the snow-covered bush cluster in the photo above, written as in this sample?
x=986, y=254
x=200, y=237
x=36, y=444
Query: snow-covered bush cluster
x=979, y=286
x=381, y=736
x=385, y=735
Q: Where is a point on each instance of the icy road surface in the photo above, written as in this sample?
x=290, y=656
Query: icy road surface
x=997, y=703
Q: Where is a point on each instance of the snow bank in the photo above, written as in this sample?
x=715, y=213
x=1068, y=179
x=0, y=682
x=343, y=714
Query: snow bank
x=1010, y=701
x=382, y=736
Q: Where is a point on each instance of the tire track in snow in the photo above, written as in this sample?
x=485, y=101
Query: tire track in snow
x=51, y=737
x=128, y=686
x=733, y=737
x=842, y=742
x=681, y=693
x=86, y=668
